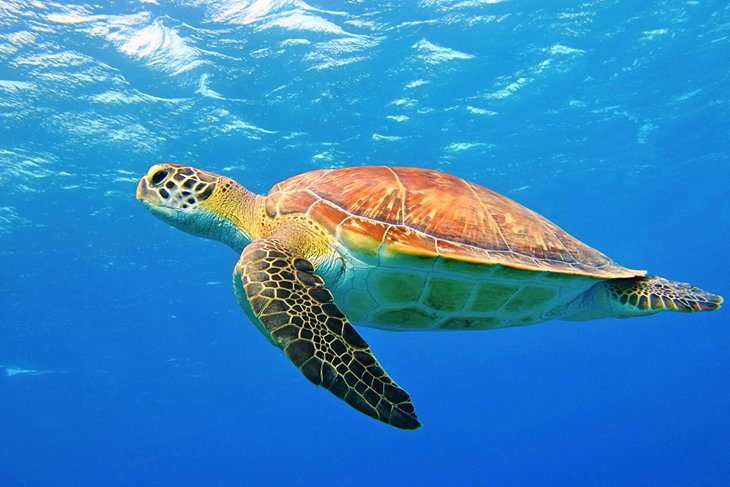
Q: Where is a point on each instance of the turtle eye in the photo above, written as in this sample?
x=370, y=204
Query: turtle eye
x=159, y=176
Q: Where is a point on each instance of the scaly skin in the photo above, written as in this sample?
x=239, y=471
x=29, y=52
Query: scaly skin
x=202, y=203
x=298, y=312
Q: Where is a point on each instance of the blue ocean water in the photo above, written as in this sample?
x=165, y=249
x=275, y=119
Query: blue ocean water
x=124, y=357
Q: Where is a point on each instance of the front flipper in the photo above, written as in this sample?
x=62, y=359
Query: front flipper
x=296, y=310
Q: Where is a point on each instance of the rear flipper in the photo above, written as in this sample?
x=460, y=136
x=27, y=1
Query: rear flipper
x=637, y=296
x=651, y=294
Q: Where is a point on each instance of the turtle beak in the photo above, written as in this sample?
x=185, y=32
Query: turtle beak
x=145, y=195
x=141, y=189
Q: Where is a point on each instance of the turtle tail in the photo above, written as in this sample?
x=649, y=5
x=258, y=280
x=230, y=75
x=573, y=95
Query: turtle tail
x=647, y=295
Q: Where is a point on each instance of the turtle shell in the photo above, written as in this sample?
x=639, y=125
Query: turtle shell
x=398, y=211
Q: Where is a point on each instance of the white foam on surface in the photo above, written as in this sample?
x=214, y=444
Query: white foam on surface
x=480, y=111
x=16, y=41
x=73, y=15
x=416, y=83
x=12, y=86
x=463, y=146
x=158, y=45
x=224, y=122
x=302, y=21
x=340, y=52
x=386, y=138
x=116, y=97
x=249, y=11
x=12, y=371
x=508, y=90
x=295, y=42
x=205, y=90
x=398, y=118
x=654, y=33
x=137, y=35
x=561, y=49
x=11, y=221
x=19, y=164
x=405, y=102
x=432, y=53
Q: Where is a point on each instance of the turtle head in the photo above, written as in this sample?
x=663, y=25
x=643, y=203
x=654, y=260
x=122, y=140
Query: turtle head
x=199, y=202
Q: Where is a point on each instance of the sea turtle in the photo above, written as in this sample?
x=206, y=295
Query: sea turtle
x=398, y=249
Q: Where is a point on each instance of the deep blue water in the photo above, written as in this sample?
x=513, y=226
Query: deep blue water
x=124, y=358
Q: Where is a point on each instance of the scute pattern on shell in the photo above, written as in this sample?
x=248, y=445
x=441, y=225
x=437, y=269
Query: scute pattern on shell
x=429, y=213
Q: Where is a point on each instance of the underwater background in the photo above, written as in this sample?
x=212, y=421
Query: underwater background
x=124, y=357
